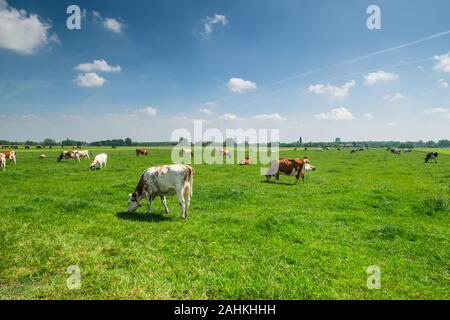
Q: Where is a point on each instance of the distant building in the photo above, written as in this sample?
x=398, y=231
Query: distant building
x=337, y=140
x=300, y=141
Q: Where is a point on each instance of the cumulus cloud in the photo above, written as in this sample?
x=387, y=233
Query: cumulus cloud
x=336, y=114
x=90, y=79
x=209, y=22
x=334, y=91
x=394, y=97
x=111, y=24
x=372, y=78
x=442, y=62
x=228, y=116
x=23, y=32
x=97, y=66
x=272, y=117
x=240, y=85
x=442, y=83
x=149, y=111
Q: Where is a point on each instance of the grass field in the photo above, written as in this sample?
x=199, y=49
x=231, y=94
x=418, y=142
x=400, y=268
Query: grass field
x=243, y=239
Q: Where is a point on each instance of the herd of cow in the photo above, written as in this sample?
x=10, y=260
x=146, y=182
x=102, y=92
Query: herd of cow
x=177, y=179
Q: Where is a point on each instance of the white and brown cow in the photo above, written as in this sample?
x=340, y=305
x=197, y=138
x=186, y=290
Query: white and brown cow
x=83, y=154
x=11, y=155
x=69, y=155
x=289, y=167
x=159, y=181
x=2, y=162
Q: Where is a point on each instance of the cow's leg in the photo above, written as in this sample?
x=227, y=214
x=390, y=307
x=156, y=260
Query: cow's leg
x=268, y=178
x=187, y=199
x=149, y=205
x=277, y=177
x=164, y=203
x=182, y=203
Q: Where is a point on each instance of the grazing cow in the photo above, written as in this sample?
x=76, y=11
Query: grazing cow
x=161, y=181
x=245, y=162
x=354, y=151
x=42, y=156
x=2, y=162
x=142, y=151
x=38, y=147
x=289, y=167
x=11, y=155
x=69, y=155
x=396, y=151
x=99, y=161
x=431, y=156
x=83, y=154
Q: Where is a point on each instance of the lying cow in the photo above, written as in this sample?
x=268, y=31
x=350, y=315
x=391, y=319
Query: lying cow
x=69, y=155
x=161, y=181
x=289, y=167
x=83, y=154
x=11, y=155
x=431, y=156
x=2, y=162
x=141, y=151
x=100, y=160
x=245, y=162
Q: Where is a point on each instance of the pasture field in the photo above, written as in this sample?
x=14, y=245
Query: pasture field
x=438, y=150
x=243, y=239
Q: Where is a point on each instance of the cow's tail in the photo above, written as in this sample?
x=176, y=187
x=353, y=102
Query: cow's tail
x=190, y=178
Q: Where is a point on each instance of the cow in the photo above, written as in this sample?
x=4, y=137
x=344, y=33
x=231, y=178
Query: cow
x=396, y=151
x=39, y=147
x=225, y=153
x=431, y=156
x=11, y=155
x=100, y=160
x=69, y=155
x=289, y=167
x=164, y=180
x=245, y=162
x=354, y=151
x=27, y=147
x=83, y=154
x=2, y=162
x=141, y=151
x=42, y=156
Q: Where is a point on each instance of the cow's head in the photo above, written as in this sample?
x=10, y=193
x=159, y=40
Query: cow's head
x=133, y=202
x=61, y=156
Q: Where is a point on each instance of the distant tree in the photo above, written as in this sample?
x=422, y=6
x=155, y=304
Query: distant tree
x=128, y=142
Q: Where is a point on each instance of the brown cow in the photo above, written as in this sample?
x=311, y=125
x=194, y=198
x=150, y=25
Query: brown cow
x=141, y=151
x=11, y=155
x=289, y=167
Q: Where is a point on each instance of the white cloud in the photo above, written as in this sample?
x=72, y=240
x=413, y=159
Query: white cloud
x=97, y=66
x=373, y=77
x=394, y=97
x=21, y=31
x=150, y=111
x=328, y=89
x=90, y=79
x=209, y=22
x=113, y=25
x=443, y=62
x=368, y=116
x=443, y=84
x=272, y=117
x=240, y=85
x=206, y=111
x=228, y=116
x=436, y=110
x=336, y=114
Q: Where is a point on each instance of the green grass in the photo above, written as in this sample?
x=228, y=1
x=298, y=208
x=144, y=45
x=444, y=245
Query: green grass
x=243, y=239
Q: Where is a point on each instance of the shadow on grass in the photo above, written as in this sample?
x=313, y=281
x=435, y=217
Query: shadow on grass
x=143, y=217
x=280, y=183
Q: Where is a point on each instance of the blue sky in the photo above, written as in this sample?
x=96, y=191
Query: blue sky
x=142, y=69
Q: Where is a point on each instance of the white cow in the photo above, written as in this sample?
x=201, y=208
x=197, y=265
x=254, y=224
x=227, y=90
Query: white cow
x=186, y=152
x=161, y=181
x=2, y=162
x=83, y=154
x=99, y=161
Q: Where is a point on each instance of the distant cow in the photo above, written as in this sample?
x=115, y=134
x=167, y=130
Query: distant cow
x=83, y=154
x=431, y=156
x=289, y=167
x=27, y=147
x=142, y=151
x=396, y=151
x=100, y=160
x=39, y=147
x=225, y=153
x=245, y=162
x=42, y=156
x=69, y=155
x=161, y=181
x=11, y=155
x=354, y=151
x=2, y=162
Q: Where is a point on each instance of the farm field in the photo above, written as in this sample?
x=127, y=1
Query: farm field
x=438, y=150
x=243, y=239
